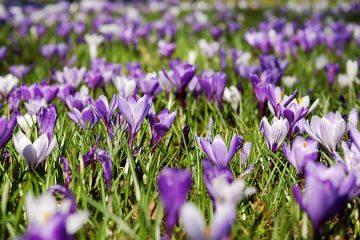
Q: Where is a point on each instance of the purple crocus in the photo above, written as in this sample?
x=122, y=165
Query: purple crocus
x=173, y=186
x=274, y=133
x=259, y=85
x=328, y=130
x=19, y=71
x=97, y=154
x=327, y=190
x=47, y=120
x=84, y=117
x=3, y=51
x=134, y=113
x=181, y=75
x=331, y=70
x=213, y=84
x=104, y=111
x=6, y=129
x=160, y=124
x=217, y=151
x=301, y=152
x=166, y=49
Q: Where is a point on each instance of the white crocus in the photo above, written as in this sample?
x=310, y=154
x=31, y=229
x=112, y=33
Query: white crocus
x=125, y=86
x=33, y=105
x=35, y=152
x=93, y=41
x=289, y=81
x=7, y=84
x=26, y=122
x=232, y=95
x=320, y=62
x=352, y=70
x=276, y=132
x=40, y=210
x=192, y=57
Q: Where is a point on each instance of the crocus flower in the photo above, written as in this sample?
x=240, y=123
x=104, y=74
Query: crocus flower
x=332, y=70
x=134, y=113
x=173, y=186
x=26, y=122
x=93, y=41
x=218, y=153
x=274, y=133
x=50, y=220
x=104, y=111
x=328, y=130
x=47, y=120
x=36, y=152
x=209, y=49
x=327, y=190
x=166, y=49
x=6, y=129
x=213, y=84
x=125, y=86
x=350, y=76
x=259, y=85
x=19, y=71
x=71, y=75
x=301, y=152
x=320, y=62
x=150, y=84
x=97, y=154
x=160, y=124
x=228, y=194
x=84, y=117
x=3, y=51
x=181, y=75
x=232, y=95
x=7, y=84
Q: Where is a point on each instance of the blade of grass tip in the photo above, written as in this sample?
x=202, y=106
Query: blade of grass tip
x=4, y=196
x=119, y=221
x=133, y=173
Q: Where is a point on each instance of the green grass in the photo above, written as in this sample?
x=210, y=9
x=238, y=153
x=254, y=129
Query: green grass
x=131, y=208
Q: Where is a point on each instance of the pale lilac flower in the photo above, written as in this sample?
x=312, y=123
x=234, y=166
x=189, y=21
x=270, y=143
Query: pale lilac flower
x=327, y=190
x=301, y=152
x=134, y=113
x=125, y=86
x=71, y=75
x=218, y=152
x=328, y=130
x=209, y=49
x=36, y=152
x=274, y=133
x=50, y=220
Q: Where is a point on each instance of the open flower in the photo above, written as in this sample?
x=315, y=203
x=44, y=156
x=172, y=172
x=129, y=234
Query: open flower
x=218, y=153
x=93, y=41
x=301, y=152
x=328, y=130
x=50, y=220
x=160, y=124
x=36, y=152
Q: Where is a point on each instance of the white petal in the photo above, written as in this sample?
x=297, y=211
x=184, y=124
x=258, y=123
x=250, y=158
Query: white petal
x=76, y=221
x=192, y=221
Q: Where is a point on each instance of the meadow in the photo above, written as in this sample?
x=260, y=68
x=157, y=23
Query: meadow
x=179, y=120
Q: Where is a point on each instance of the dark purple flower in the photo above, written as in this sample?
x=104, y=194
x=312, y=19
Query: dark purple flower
x=327, y=190
x=216, y=32
x=134, y=113
x=301, y=152
x=6, y=129
x=160, y=124
x=47, y=120
x=213, y=84
x=97, y=154
x=173, y=186
x=218, y=153
x=3, y=51
x=67, y=170
x=259, y=85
